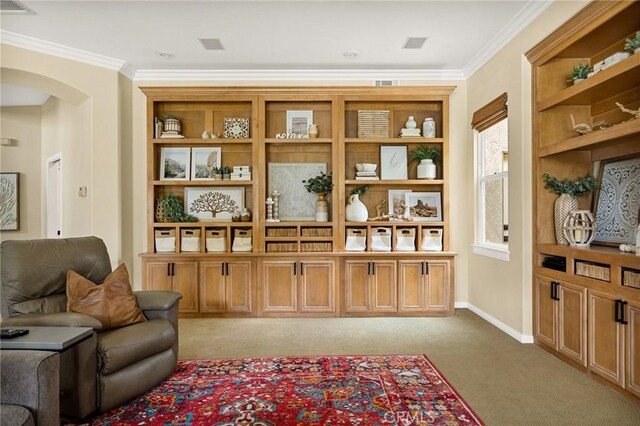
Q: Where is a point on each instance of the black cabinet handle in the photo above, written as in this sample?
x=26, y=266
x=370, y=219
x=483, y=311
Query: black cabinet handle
x=421, y=268
x=623, y=313
x=554, y=290
x=301, y=269
x=173, y=269
x=373, y=268
x=426, y=267
x=295, y=268
x=222, y=269
x=226, y=269
x=368, y=268
x=169, y=269
x=617, y=310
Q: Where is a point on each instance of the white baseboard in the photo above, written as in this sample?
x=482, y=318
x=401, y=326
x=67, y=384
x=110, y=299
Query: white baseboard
x=522, y=338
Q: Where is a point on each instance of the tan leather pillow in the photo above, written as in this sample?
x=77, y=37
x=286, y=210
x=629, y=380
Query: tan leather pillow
x=111, y=302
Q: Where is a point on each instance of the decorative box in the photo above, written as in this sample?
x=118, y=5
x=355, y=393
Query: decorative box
x=216, y=240
x=165, y=240
x=190, y=240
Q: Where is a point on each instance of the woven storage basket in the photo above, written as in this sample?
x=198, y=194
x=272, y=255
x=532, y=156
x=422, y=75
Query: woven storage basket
x=592, y=270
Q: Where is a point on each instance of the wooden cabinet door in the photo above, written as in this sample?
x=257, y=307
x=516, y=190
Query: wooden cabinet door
x=383, y=287
x=356, y=286
x=572, y=322
x=411, y=286
x=317, y=286
x=158, y=276
x=279, y=281
x=606, y=338
x=633, y=348
x=545, y=313
x=238, y=286
x=438, y=286
x=212, y=287
x=185, y=281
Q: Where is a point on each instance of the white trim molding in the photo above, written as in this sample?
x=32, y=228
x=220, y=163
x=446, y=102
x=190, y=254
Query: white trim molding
x=520, y=20
x=522, y=338
x=490, y=251
x=37, y=45
x=296, y=75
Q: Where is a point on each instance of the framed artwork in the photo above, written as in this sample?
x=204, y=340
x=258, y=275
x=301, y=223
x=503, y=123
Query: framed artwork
x=236, y=127
x=295, y=203
x=393, y=162
x=423, y=206
x=213, y=203
x=617, y=202
x=396, y=201
x=9, y=201
x=298, y=121
x=175, y=163
x=203, y=161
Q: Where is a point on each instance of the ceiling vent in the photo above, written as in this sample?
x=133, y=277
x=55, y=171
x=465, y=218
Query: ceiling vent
x=211, y=43
x=414, y=43
x=14, y=8
x=384, y=83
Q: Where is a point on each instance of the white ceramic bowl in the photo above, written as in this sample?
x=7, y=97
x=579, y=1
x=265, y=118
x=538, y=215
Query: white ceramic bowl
x=366, y=167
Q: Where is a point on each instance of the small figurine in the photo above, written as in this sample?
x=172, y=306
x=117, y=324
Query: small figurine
x=275, y=195
x=270, y=210
x=634, y=112
x=584, y=128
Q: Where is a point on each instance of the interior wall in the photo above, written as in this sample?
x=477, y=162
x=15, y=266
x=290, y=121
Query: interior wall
x=22, y=123
x=96, y=90
x=125, y=173
x=66, y=132
x=459, y=158
x=507, y=296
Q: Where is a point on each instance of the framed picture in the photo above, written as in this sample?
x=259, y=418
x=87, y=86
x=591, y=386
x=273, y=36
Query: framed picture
x=298, y=121
x=203, y=161
x=236, y=127
x=393, y=162
x=295, y=203
x=9, y=201
x=396, y=201
x=617, y=202
x=423, y=206
x=174, y=163
x=213, y=203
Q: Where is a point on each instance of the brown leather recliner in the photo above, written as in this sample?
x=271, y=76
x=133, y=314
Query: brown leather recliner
x=125, y=361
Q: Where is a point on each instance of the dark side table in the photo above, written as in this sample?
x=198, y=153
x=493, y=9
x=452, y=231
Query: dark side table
x=78, y=363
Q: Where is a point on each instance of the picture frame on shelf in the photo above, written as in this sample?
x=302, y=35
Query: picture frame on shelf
x=213, y=203
x=397, y=201
x=236, y=128
x=10, y=201
x=298, y=122
x=203, y=161
x=175, y=163
x=423, y=206
x=295, y=202
x=616, y=201
x=393, y=162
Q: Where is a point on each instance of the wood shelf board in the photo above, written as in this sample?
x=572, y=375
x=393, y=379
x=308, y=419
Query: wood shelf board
x=600, y=254
x=618, y=78
x=403, y=141
x=215, y=141
x=196, y=255
x=292, y=224
x=620, y=133
x=203, y=182
x=392, y=223
x=207, y=224
x=395, y=182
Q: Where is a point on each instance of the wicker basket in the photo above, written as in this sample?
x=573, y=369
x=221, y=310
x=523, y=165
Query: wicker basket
x=631, y=278
x=593, y=270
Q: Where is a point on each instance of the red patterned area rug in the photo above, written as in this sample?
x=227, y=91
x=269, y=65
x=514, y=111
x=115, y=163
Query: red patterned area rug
x=326, y=390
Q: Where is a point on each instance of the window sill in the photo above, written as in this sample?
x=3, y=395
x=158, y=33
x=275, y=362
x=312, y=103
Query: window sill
x=491, y=251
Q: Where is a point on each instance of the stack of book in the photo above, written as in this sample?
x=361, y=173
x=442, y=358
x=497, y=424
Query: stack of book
x=410, y=133
x=366, y=176
x=241, y=173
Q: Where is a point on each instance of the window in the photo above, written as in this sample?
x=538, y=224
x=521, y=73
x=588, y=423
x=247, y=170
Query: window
x=490, y=124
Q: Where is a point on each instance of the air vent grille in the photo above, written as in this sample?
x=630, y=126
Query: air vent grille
x=14, y=7
x=414, y=43
x=386, y=83
x=212, y=43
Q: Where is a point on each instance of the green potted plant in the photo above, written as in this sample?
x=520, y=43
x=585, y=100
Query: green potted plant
x=226, y=172
x=579, y=73
x=170, y=209
x=426, y=155
x=356, y=210
x=568, y=191
x=321, y=184
x=633, y=44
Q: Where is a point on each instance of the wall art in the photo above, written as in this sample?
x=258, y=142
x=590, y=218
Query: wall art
x=294, y=203
x=9, y=201
x=174, y=163
x=423, y=206
x=213, y=203
x=204, y=161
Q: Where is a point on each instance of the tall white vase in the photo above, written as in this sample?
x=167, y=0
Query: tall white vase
x=564, y=204
x=426, y=169
x=356, y=210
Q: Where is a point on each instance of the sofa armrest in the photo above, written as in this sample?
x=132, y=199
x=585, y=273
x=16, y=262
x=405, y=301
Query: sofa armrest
x=157, y=300
x=31, y=379
x=58, y=319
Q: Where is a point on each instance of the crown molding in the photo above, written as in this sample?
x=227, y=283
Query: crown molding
x=516, y=24
x=296, y=75
x=37, y=45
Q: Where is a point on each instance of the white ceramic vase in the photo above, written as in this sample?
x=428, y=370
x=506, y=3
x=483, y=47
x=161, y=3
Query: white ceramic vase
x=356, y=210
x=426, y=169
x=564, y=204
x=322, y=208
x=429, y=128
x=411, y=123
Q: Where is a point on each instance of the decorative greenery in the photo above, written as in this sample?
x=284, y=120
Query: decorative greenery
x=215, y=171
x=171, y=208
x=424, y=152
x=320, y=184
x=171, y=117
x=579, y=187
x=632, y=43
x=578, y=72
x=225, y=170
x=360, y=190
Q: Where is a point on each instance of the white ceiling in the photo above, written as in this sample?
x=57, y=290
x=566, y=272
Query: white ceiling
x=273, y=35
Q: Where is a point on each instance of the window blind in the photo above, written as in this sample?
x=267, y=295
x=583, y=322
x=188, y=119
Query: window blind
x=490, y=114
